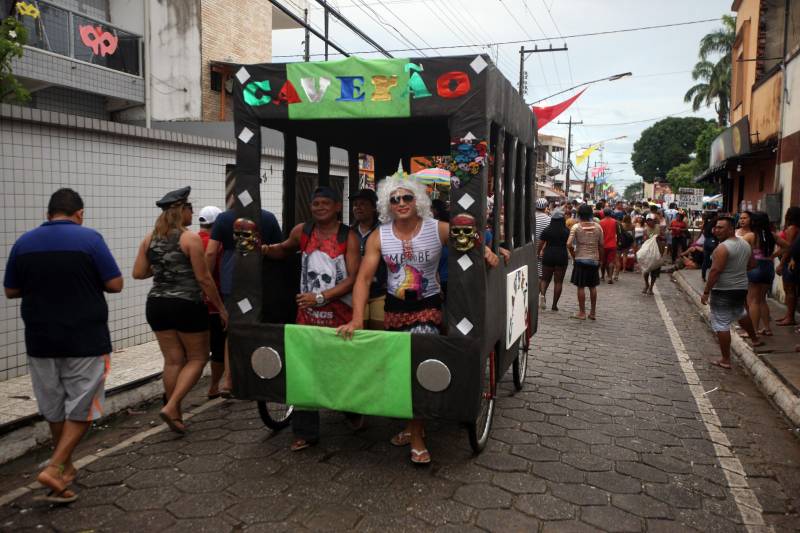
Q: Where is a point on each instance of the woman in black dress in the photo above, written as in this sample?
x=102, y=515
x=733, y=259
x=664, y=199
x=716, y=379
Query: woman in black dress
x=554, y=257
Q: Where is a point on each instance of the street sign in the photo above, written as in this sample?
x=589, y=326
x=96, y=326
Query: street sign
x=689, y=198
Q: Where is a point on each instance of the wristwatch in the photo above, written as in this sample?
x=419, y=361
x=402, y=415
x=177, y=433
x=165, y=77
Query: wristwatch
x=319, y=298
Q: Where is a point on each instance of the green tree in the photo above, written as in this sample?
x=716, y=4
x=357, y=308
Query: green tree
x=12, y=36
x=714, y=77
x=702, y=146
x=682, y=175
x=664, y=145
x=633, y=191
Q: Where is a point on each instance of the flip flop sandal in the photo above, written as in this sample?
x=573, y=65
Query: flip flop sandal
x=171, y=423
x=226, y=393
x=724, y=366
x=420, y=457
x=401, y=439
x=57, y=497
x=301, y=444
x=576, y=316
x=765, y=332
x=214, y=396
x=591, y=317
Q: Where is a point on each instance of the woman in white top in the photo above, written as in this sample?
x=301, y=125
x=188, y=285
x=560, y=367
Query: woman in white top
x=410, y=243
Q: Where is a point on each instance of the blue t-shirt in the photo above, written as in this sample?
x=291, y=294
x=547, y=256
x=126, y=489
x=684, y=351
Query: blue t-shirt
x=61, y=268
x=222, y=232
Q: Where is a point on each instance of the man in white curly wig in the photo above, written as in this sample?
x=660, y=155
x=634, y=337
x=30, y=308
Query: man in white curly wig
x=410, y=242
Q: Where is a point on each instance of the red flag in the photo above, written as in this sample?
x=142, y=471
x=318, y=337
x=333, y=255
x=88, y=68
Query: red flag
x=546, y=114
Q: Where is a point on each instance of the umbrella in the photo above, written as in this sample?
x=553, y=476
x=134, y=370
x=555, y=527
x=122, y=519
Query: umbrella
x=433, y=176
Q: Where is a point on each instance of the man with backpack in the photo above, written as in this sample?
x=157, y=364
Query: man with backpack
x=330, y=259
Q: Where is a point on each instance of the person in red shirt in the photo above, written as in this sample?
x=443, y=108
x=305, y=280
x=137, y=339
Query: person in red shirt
x=609, y=225
x=678, y=229
x=208, y=215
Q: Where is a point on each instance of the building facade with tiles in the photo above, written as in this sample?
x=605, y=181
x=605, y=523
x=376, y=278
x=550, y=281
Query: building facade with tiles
x=83, y=127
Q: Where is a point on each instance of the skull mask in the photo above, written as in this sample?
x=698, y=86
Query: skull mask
x=245, y=233
x=464, y=232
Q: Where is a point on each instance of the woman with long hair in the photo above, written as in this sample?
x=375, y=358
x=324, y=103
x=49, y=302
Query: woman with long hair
x=789, y=276
x=759, y=236
x=553, y=256
x=175, y=309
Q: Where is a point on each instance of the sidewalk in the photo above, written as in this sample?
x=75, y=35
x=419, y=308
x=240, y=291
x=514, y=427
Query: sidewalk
x=134, y=378
x=774, y=367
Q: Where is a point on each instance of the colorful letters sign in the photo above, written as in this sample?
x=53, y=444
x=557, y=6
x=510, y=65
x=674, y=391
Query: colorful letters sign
x=351, y=88
x=101, y=42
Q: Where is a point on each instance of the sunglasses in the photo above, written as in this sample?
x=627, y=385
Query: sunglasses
x=407, y=198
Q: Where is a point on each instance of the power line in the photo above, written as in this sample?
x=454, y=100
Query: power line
x=640, y=121
x=523, y=41
x=412, y=30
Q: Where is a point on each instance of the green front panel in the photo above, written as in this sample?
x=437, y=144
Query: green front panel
x=370, y=374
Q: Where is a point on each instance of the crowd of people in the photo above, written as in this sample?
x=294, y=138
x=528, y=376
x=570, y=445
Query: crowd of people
x=738, y=255
x=351, y=278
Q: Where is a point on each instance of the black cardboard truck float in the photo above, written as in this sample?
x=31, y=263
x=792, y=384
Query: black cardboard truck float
x=393, y=109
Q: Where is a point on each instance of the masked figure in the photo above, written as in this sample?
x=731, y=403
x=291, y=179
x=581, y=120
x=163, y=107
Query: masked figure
x=464, y=232
x=246, y=236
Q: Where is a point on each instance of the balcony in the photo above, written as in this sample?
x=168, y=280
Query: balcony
x=82, y=38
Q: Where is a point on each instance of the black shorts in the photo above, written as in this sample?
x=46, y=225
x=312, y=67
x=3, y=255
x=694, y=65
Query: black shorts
x=178, y=314
x=217, y=338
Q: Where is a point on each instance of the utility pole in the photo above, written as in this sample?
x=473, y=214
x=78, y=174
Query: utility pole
x=569, y=153
x=522, y=57
x=586, y=180
x=325, y=9
x=307, y=54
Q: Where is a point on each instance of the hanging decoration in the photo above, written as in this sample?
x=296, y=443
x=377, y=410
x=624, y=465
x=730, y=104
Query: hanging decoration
x=546, y=114
x=586, y=153
x=468, y=157
x=27, y=10
x=101, y=42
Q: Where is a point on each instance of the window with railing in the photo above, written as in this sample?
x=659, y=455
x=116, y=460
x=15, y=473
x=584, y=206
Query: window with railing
x=75, y=35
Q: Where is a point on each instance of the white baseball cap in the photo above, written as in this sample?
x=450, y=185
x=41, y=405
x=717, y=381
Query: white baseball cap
x=541, y=203
x=208, y=214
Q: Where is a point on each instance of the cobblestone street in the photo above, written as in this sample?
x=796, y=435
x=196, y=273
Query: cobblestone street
x=607, y=435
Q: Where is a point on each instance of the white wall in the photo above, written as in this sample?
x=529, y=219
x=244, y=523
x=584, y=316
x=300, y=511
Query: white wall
x=175, y=59
x=127, y=15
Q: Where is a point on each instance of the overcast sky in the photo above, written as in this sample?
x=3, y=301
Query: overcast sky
x=660, y=59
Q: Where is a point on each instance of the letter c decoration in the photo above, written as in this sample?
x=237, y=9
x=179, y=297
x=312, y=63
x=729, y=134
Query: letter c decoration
x=251, y=90
x=350, y=91
x=453, y=84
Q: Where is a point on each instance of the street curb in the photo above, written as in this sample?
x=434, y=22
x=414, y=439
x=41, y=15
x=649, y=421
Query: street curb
x=765, y=379
x=34, y=432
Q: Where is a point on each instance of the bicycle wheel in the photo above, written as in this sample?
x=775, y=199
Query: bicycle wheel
x=275, y=416
x=520, y=365
x=478, y=431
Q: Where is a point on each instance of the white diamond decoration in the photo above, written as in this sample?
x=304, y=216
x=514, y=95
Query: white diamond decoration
x=464, y=262
x=245, y=198
x=469, y=136
x=478, y=64
x=245, y=306
x=466, y=201
x=242, y=75
x=246, y=135
x=465, y=326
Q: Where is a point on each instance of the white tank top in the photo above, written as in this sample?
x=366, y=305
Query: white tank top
x=415, y=267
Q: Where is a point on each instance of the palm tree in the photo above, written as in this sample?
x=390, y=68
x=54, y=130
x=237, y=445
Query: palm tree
x=714, y=78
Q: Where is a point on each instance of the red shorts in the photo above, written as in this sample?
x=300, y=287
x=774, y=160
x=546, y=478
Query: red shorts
x=611, y=255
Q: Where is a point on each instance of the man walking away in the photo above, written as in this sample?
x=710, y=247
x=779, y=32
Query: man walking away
x=60, y=270
x=727, y=288
x=222, y=241
x=611, y=229
x=542, y=221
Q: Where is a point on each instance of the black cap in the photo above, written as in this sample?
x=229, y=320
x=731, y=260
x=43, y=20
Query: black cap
x=365, y=194
x=325, y=192
x=181, y=195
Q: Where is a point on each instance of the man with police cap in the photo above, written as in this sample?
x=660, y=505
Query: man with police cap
x=330, y=259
